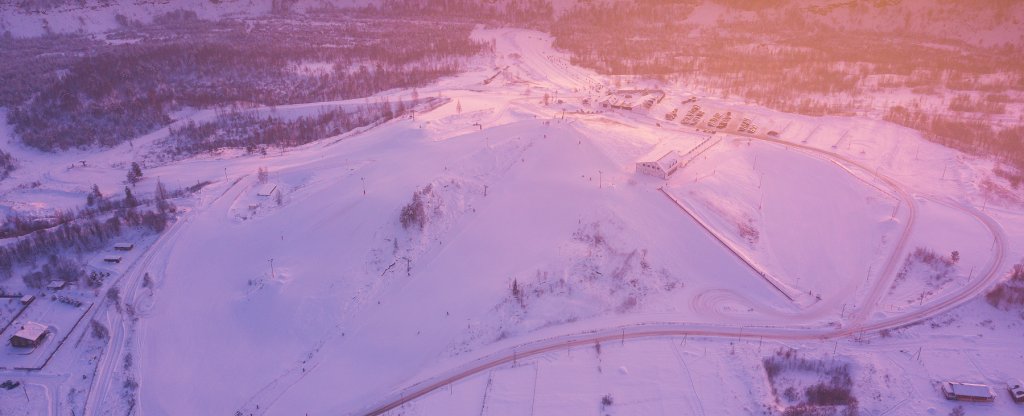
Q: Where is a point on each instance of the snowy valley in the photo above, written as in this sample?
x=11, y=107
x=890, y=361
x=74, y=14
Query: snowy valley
x=523, y=236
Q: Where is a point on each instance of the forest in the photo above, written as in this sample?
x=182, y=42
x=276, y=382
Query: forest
x=85, y=229
x=120, y=92
x=255, y=133
x=789, y=59
x=779, y=54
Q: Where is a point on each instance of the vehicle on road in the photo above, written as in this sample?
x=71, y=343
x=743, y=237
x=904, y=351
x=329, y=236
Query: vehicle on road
x=1016, y=389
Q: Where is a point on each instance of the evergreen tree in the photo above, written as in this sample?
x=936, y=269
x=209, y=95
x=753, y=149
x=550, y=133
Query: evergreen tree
x=129, y=199
x=135, y=173
x=94, y=196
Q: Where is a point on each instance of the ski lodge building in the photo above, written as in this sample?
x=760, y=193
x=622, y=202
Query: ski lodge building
x=30, y=335
x=967, y=392
x=662, y=168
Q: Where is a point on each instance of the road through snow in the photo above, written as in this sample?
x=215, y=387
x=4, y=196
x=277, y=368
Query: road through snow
x=859, y=322
x=558, y=76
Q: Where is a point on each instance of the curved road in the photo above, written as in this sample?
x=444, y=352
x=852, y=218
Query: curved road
x=858, y=322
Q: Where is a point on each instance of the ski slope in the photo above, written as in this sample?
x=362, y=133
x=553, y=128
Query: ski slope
x=325, y=304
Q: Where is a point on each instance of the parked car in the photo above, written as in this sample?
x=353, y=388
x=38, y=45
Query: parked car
x=1016, y=389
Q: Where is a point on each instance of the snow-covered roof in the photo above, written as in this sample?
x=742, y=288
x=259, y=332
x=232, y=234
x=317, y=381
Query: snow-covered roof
x=31, y=331
x=971, y=390
x=56, y=284
x=669, y=160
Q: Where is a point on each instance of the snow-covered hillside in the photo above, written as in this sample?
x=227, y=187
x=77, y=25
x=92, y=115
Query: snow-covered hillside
x=500, y=254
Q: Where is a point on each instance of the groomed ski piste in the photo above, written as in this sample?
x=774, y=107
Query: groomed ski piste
x=549, y=277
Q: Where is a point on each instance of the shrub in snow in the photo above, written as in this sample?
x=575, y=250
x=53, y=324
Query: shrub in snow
x=748, y=232
x=595, y=275
x=56, y=268
x=1009, y=294
x=99, y=331
x=834, y=386
x=415, y=213
x=936, y=269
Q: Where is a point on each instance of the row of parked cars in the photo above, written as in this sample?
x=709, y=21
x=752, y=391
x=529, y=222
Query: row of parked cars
x=672, y=114
x=693, y=116
x=720, y=121
x=747, y=126
x=717, y=121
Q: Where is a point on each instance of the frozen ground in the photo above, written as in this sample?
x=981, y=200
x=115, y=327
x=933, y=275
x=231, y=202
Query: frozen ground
x=539, y=239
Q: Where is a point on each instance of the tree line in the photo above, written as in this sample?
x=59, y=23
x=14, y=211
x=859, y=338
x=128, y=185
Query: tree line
x=793, y=59
x=86, y=229
x=123, y=91
x=969, y=135
x=255, y=133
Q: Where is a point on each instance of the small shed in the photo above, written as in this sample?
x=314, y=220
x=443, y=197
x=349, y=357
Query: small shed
x=56, y=284
x=967, y=392
x=663, y=167
x=27, y=299
x=267, y=190
x=112, y=259
x=124, y=246
x=30, y=335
